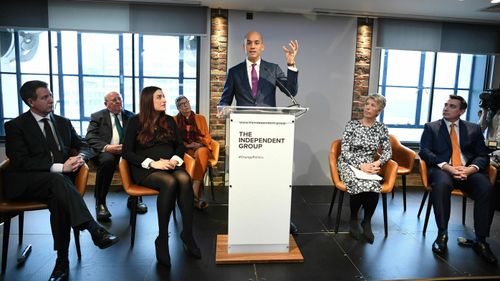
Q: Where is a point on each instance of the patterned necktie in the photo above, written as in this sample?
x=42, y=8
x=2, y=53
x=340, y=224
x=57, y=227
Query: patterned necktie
x=57, y=156
x=119, y=128
x=456, y=160
x=255, y=81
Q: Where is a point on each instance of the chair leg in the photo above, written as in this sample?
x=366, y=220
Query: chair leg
x=21, y=227
x=384, y=205
x=426, y=193
x=76, y=234
x=333, y=200
x=427, y=214
x=403, y=177
x=133, y=219
x=211, y=177
x=464, y=208
x=392, y=193
x=5, y=244
x=339, y=212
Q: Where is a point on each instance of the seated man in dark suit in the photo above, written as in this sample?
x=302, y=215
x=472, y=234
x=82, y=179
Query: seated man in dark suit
x=38, y=144
x=457, y=157
x=105, y=135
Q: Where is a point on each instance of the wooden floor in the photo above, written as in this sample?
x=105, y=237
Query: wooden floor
x=404, y=254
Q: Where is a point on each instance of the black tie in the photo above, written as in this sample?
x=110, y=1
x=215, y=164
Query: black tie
x=119, y=128
x=51, y=141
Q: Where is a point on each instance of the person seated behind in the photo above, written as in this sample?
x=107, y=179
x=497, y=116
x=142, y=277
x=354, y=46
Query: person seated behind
x=153, y=147
x=360, y=142
x=458, y=162
x=105, y=137
x=38, y=144
x=198, y=142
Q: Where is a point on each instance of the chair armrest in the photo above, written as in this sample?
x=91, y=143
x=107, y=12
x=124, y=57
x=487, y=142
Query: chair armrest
x=81, y=179
x=423, y=174
x=390, y=171
x=189, y=164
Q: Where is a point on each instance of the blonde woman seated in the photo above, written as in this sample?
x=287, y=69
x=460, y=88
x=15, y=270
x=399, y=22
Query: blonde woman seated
x=360, y=142
x=198, y=142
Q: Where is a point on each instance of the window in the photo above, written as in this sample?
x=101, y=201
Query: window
x=416, y=85
x=81, y=68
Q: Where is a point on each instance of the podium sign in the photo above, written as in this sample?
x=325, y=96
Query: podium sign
x=260, y=182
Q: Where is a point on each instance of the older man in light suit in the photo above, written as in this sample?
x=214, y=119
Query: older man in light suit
x=457, y=157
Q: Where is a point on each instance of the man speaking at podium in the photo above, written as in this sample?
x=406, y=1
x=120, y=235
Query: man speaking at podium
x=254, y=81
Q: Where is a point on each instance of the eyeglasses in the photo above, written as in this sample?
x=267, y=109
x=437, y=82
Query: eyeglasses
x=183, y=103
x=115, y=101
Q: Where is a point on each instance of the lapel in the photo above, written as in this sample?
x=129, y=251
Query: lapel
x=444, y=134
x=107, y=118
x=32, y=126
x=58, y=132
x=463, y=133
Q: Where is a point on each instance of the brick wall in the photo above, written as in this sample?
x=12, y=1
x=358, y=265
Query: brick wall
x=218, y=71
x=362, y=65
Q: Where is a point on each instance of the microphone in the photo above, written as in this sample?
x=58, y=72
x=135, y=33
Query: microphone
x=287, y=92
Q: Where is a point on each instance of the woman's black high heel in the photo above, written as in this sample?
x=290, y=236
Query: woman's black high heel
x=162, y=254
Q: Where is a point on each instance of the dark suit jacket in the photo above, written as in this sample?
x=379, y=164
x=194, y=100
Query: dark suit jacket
x=28, y=151
x=136, y=153
x=237, y=85
x=435, y=144
x=100, y=130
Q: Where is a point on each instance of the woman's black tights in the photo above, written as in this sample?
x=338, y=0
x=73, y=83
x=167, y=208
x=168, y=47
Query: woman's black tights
x=172, y=186
x=369, y=200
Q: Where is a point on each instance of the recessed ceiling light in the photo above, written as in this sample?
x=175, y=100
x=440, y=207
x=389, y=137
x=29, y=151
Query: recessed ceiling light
x=495, y=1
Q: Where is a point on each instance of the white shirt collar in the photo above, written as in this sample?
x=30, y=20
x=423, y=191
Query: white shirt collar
x=38, y=118
x=249, y=63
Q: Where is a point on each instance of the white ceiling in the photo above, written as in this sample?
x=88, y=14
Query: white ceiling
x=448, y=10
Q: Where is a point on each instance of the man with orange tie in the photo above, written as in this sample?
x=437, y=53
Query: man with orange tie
x=457, y=157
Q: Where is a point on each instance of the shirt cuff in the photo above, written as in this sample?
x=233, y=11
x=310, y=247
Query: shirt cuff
x=178, y=159
x=475, y=166
x=145, y=163
x=293, y=68
x=440, y=165
x=57, y=168
x=104, y=148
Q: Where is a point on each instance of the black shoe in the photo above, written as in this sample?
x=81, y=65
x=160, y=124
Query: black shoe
x=355, y=230
x=293, y=228
x=103, y=239
x=439, y=246
x=61, y=271
x=162, y=253
x=141, y=207
x=102, y=213
x=367, y=231
x=483, y=249
x=190, y=246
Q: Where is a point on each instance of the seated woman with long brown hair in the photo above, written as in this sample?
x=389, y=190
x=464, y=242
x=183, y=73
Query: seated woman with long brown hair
x=154, y=149
x=198, y=142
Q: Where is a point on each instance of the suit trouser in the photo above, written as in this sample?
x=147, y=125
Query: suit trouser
x=66, y=205
x=106, y=168
x=477, y=186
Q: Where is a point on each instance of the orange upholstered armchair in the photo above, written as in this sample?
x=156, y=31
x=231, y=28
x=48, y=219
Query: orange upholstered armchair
x=389, y=173
x=405, y=158
x=492, y=174
x=134, y=190
x=12, y=208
